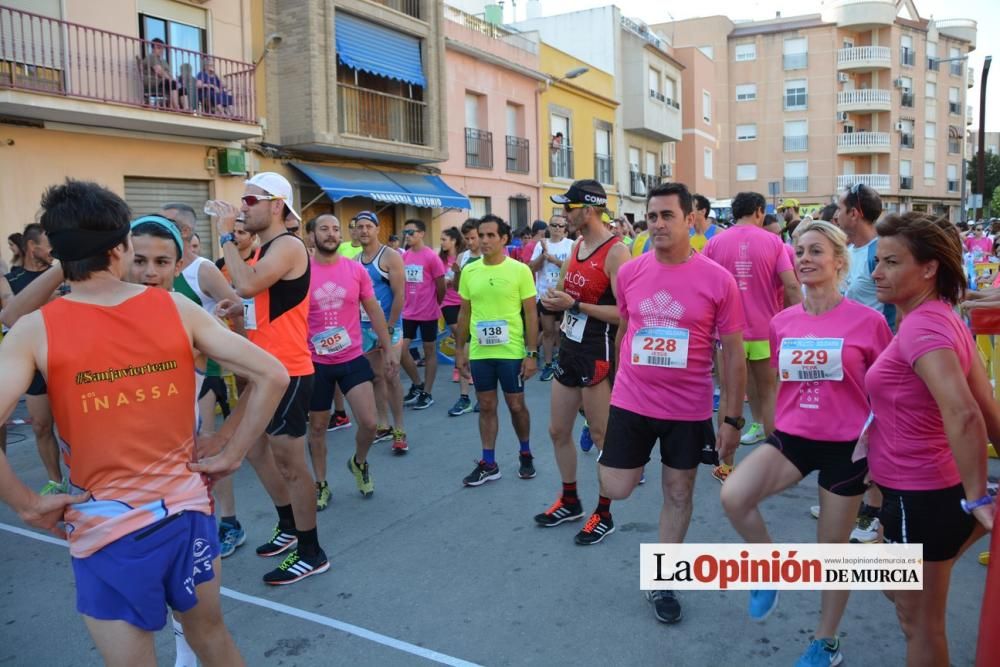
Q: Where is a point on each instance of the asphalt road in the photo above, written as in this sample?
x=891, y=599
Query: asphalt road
x=427, y=570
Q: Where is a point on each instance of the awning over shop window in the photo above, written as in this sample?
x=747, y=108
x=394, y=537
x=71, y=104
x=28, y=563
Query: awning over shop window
x=378, y=50
x=389, y=187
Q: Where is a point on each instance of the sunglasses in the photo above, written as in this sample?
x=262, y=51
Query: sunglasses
x=253, y=200
x=409, y=232
x=570, y=207
x=558, y=226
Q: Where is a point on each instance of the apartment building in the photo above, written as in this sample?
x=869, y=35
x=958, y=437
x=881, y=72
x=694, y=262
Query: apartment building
x=356, y=107
x=77, y=99
x=493, y=86
x=866, y=92
x=638, y=150
x=991, y=143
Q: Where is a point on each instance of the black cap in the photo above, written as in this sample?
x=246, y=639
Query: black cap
x=538, y=226
x=587, y=191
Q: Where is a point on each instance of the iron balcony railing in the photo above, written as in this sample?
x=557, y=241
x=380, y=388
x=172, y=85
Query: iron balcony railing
x=905, y=182
x=408, y=7
x=46, y=55
x=369, y=113
x=602, y=168
x=795, y=60
x=518, y=161
x=796, y=183
x=561, y=161
x=796, y=143
x=478, y=148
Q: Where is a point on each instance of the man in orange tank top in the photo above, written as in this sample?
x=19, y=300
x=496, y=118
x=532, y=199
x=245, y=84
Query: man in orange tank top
x=274, y=287
x=120, y=359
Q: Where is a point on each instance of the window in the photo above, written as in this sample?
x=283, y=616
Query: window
x=954, y=106
x=932, y=59
x=930, y=90
x=930, y=130
x=708, y=171
x=746, y=92
x=709, y=51
x=518, y=146
x=795, y=95
x=560, y=147
x=906, y=133
x=654, y=82
x=472, y=106
x=518, y=207
x=905, y=175
x=634, y=157
x=746, y=172
x=479, y=206
x=670, y=92
x=907, y=55
x=928, y=171
x=175, y=35
x=706, y=106
x=651, y=164
x=796, y=176
x=746, y=132
x=602, y=155
x=746, y=52
x=795, y=53
x=952, y=177
x=955, y=65
x=796, y=135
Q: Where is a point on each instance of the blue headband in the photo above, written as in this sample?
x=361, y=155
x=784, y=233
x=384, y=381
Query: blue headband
x=166, y=223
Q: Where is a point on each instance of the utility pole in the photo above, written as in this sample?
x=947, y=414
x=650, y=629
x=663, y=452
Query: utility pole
x=981, y=161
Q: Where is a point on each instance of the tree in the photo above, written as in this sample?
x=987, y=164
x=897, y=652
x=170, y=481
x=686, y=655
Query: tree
x=991, y=177
x=994, y=205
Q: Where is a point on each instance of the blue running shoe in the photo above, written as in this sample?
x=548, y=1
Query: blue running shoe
x=821, y=654
x=230, y=537
x=586, y=442
x=762, y=603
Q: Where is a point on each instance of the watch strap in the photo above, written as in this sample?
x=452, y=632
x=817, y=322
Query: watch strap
x=968, y=506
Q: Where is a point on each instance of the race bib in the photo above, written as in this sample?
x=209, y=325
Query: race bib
x=660, y=346
x=811, y=359
x=414, y=273
x=331, y=341
x=552, y=277
x=493, y=332
x=573, y=325
x=249, y=314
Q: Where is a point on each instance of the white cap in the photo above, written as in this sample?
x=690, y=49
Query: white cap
x=712, y=214
x=277, y=186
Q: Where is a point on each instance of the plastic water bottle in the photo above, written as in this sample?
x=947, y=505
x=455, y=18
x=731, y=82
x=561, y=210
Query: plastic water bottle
x=970, y=271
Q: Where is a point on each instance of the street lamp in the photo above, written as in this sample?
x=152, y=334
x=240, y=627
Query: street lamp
x=273, y=41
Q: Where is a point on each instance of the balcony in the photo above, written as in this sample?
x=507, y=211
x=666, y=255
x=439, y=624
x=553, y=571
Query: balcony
x=878, y=182
x=955, y=69
x=794, y=144
x=795, y=60
x=603, y=168
x=368, y=113
x=478, y=148
x=960, y=28
x=561, y=162
x=906, y=140
x=907, y=56
x=518, y=161
x=970, y=78
x=954, y=146
x=56, y=71
x=408, y=7
x=860, y=14
x=858, y=143
x=906, y=100
x=968, y=114
x=648, y=111
x=905, y=182
x=864, y=100
x=952, y=186
x=864, y=58
x=638, y=184
x=796, y=183
x=955, y=108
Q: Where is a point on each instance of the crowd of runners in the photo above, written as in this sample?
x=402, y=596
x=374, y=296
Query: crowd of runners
x=844, y=334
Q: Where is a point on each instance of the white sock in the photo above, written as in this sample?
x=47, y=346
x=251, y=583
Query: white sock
x=185, y=656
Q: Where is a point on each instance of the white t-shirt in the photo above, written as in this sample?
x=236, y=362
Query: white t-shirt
x=858, y=284
x=548, y=276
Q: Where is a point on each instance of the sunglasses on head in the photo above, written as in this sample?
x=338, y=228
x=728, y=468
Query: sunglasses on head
x=253, y=200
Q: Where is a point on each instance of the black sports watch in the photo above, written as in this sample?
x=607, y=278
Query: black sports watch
x=575, y=308
x=736, y=422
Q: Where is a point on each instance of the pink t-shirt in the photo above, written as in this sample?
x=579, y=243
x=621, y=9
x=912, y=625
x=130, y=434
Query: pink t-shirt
x=907, y=446
x=756, y=258
x=422, y=268
x=335, y=294
x=819, y=408
x=680, y=307
x=984, y=244
x=451, y=297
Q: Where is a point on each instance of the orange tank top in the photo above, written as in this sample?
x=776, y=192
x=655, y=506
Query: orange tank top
x=122, y=386
x=276, y=319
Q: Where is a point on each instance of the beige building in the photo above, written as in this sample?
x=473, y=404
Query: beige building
x=867, y=92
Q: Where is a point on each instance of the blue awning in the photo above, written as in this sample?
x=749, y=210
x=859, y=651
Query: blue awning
x=379, y=50
x=388, y=187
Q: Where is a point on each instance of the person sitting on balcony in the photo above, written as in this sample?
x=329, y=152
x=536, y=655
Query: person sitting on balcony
x=157, y=81
x=212, y=93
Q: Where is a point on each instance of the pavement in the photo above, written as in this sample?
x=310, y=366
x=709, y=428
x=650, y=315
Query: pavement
x=427, y=571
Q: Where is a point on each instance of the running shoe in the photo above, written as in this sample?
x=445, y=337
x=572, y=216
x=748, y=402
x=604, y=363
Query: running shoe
x=753, y=435
x=399, y=445
x=322, y=496
x=412, y=395
x=984, y=558
x=423, y=401
x=296, y=568
x=527, y=467
x=586, y=442
x=821, y=654
x=421, y=363
x=475, y=408
x=454, y=374
x=230, y=538
x=484, y=472
x=595, y=530
x=279, y=542
x=666, y=607
x=721, y=472
x=559, y=513
x=642, y=480
x=762, y=603
x=382, y=433
x=814, y=510
x=866, y=530
x=338, y=422
x=547, y=373
x=461, y=407
x=363, y=478
x=52, y=488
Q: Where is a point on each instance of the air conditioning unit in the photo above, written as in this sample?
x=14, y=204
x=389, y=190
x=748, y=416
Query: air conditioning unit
x=900, y=127
x=841, y=116
x=897, y=83
x=666, y=171
x=843, y=77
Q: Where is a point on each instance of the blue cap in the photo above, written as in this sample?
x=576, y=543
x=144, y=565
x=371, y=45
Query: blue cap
x=366, y=215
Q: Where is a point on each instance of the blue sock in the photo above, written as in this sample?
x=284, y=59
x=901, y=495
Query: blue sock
x=489, y=456
x=525, y=448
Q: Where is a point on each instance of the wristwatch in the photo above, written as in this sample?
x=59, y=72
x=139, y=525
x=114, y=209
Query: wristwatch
x=392, y=331
x=228, y=237
x=575, y=308
x=736, y=422
x=531, y=354
x=968, y=506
